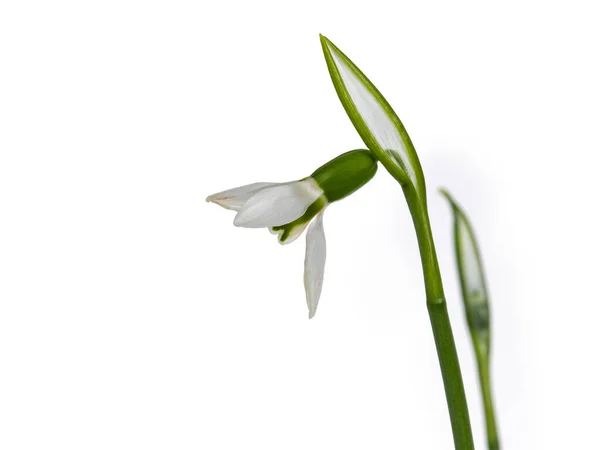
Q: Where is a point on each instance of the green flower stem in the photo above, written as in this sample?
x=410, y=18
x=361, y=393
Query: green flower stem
x=440, y=323
x=486, y=391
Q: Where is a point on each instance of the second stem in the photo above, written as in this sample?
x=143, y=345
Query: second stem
x=440, y=324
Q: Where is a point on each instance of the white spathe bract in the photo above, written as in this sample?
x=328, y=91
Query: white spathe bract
x=376, y=119
x=267, y=205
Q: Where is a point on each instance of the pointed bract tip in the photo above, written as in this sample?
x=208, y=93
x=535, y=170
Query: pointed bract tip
x=312, y=313
x=446, y=194
x=325, y=43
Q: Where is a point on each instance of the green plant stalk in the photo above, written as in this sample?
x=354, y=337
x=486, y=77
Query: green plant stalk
x=483, y=366
x=440, y=324
x=483, y=369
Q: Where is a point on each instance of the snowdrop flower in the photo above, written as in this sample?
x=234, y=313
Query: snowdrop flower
x=286, y=209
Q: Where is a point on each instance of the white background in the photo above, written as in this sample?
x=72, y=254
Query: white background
x=133, y=315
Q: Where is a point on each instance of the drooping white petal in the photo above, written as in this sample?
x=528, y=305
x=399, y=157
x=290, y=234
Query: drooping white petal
x=277, y=205
x=314, y=263
x=235, y=198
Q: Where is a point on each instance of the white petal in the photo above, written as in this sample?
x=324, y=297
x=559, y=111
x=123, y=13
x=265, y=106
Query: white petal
x=235, y=198
x=314, y=263
x=278, y=205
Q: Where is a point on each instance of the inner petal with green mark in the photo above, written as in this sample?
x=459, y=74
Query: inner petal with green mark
x=289, y=232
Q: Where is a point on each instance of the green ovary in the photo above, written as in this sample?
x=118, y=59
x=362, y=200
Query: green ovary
x=345, y=174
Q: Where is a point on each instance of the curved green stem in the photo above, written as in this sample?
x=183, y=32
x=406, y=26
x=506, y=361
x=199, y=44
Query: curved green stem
x=440, y=324
x=483, y=366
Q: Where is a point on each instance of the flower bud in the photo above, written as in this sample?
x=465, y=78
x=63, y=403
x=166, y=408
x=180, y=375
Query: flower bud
x=472, y=279
x=345, y=174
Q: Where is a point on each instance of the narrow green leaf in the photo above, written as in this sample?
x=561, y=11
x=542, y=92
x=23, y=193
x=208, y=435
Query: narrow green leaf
x=374, y=119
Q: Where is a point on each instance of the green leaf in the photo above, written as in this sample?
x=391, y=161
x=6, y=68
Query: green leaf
x=374, y=119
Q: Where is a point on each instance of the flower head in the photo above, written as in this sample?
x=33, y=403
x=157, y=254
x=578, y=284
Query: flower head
x=286, y=209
